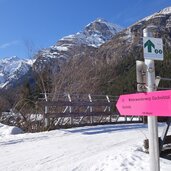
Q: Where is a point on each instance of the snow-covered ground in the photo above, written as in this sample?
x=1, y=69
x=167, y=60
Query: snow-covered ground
x=97, y=148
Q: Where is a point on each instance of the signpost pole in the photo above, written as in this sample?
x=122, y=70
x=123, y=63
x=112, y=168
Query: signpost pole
x=152, y=120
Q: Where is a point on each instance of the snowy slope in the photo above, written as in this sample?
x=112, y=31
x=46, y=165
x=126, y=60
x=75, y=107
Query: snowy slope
x=6, y=130
x=12, y=68
x=97, y=148
x=161, y=13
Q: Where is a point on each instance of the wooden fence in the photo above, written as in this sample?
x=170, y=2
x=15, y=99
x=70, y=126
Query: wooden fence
x=77, y=110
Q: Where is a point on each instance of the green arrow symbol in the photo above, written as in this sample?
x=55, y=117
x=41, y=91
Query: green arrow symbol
x=149, y=44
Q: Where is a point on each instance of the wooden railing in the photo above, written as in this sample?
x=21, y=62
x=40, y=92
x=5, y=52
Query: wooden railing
x=75, y=110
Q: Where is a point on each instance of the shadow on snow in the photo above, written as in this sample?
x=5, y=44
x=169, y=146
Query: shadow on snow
x=106, y=129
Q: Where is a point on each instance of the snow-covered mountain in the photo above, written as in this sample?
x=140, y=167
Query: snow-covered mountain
x=93, y=35
x=129, y=41
x=160, y=14
x=12, y=69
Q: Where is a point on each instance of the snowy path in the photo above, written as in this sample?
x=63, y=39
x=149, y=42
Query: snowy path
x=97, y=148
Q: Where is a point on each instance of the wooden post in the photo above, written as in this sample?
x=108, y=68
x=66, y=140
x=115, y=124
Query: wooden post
x=46, y=119
x=70, y=109
x=108, y=100
x=91, y=109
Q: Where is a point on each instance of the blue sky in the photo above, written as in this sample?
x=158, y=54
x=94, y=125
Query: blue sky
x=36, y=24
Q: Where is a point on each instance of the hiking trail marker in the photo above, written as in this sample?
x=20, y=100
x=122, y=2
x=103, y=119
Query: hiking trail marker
x=153, y=48
x=145, y=104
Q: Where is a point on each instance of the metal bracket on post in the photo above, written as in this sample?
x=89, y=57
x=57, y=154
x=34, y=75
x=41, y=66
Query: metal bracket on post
x=141, y=70
x=141, y=74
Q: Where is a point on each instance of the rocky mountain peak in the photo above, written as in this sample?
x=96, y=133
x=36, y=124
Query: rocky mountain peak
x=93, y=35
x=9, y=59
x=12, y=68
x=102, y=26
x=101, y=31
x=162, y=13
x=166, y=11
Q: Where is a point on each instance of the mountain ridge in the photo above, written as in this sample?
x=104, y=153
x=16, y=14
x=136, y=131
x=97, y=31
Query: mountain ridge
x=12, y=69
x=94, y=35
x=86, y=41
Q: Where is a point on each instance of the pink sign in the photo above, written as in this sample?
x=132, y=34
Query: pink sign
x=156, y=103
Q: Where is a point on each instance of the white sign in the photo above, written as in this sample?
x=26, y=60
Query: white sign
x=153, y=48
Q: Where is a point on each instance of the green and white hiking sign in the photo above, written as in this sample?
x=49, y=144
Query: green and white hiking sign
x=153, y=48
